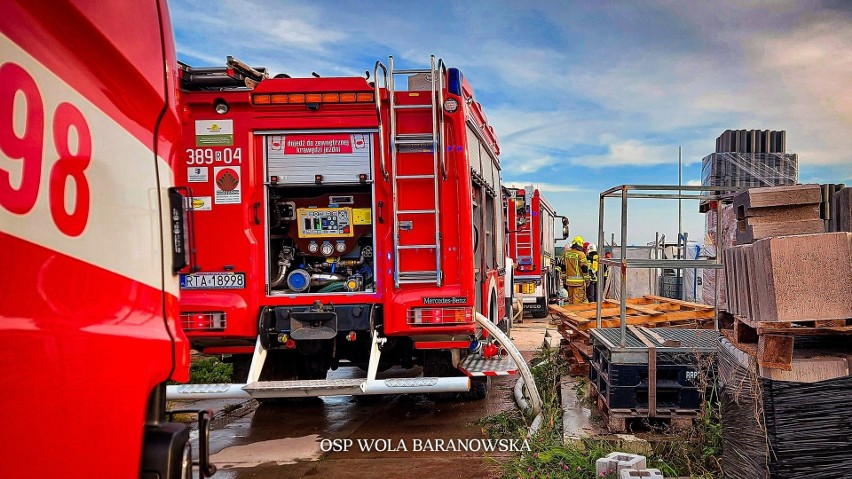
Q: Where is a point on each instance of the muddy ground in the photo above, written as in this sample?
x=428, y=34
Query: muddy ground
x=346, y=437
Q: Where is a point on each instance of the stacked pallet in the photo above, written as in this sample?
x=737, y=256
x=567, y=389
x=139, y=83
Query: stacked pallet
x=660, y=374
x=578, y=320
x=777, y=211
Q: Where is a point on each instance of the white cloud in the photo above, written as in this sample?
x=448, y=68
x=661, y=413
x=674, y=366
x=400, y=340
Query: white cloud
x=631, y=153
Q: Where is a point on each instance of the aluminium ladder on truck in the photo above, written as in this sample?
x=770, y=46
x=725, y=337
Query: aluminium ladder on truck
x=407, y=147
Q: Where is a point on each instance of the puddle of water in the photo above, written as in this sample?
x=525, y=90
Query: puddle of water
x=280, y=451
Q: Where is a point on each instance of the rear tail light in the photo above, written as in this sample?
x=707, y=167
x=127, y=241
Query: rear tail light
x=203, y=321
x=439, y=316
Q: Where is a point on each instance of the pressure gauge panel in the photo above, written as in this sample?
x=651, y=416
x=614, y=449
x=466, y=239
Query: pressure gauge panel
x=325, y=222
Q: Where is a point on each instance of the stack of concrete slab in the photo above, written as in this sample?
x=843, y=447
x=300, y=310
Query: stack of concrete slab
x=778, y=211
x=712, y=245
x=791, y=278
x=840, y=218
x=786, y=424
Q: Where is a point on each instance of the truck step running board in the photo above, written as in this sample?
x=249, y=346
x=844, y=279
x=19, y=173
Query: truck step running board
x=318, y=387
x=473, y=365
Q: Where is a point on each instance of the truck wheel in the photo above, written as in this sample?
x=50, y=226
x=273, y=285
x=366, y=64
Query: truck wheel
x=479, y=387
x=438, y=364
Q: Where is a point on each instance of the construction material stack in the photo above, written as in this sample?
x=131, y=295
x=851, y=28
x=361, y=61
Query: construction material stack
x=777, y=211
x=577, y=321
x=743, y=159
x=840, y=218
x=784, y=365
x=657, y=374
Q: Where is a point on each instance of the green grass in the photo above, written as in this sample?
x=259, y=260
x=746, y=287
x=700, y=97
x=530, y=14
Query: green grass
x=208, y=370
x=692, y=453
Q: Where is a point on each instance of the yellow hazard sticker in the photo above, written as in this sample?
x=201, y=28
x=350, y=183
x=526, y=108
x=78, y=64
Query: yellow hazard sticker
x=362, y=216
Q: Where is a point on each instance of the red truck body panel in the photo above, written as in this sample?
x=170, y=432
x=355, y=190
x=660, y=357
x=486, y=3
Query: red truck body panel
x=88, y=319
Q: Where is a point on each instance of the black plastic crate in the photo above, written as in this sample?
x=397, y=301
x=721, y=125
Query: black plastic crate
x=636, y=397
x=635, y=374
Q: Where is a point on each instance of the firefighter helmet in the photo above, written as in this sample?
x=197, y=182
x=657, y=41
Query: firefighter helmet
x=592, y=247
x=578, y=240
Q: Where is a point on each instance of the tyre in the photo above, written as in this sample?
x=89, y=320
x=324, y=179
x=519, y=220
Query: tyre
x=479, y=388
x=439, y=364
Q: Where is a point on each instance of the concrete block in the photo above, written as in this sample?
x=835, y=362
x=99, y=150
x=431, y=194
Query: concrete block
x=780, y=214
x=751, y=268
x=644, y=473
x=743, y=293
x=615, y=462
x=730, y=274
x=777, y=196
x=841, y=210
x=749, y=233
x=806, y=277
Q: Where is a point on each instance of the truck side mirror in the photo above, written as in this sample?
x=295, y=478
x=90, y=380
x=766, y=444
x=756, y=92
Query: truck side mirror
x=565, y=229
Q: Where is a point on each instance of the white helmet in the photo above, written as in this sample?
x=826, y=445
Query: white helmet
x=592, y=247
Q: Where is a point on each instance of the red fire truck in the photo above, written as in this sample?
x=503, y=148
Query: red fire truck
x=342, y=222
x=532, y=246
x=88, y=301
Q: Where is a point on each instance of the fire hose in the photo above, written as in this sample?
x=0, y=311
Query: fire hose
x=526, y=381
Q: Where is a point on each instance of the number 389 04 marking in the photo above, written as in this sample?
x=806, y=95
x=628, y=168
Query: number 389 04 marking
x=28, y=148
x=208, y=156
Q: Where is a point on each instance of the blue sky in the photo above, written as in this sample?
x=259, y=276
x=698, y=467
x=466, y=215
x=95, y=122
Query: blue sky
x=583, y=95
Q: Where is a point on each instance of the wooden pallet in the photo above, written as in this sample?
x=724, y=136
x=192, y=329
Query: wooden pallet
x=617, y=420
x=647, y=311
x=772, y=342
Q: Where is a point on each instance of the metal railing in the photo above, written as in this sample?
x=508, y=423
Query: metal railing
x=676, y=192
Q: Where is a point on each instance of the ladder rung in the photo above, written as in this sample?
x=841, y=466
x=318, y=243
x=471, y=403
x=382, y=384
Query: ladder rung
x=413, y=177
x=425, y=141
x=412, y=212
x=416, y=274
x=413, y=71
x=416, y=281
x=416, y=246
x=412, y=107
x=408, y=136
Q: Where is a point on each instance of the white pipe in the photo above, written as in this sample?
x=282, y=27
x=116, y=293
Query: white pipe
x=523, y=369
x=536, y=424
x=524, y=405
x=206, y=391
x=520, y=400
x=455, y=384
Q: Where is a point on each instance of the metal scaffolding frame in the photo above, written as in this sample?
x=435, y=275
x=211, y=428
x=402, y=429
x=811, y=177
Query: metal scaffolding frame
x=671, y=192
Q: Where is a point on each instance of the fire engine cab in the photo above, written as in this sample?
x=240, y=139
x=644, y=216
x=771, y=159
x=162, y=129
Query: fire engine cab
x=532, y=245
x=344, y=221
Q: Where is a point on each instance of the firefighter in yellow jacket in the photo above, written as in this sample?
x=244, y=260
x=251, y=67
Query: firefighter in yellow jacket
x=576, y=271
